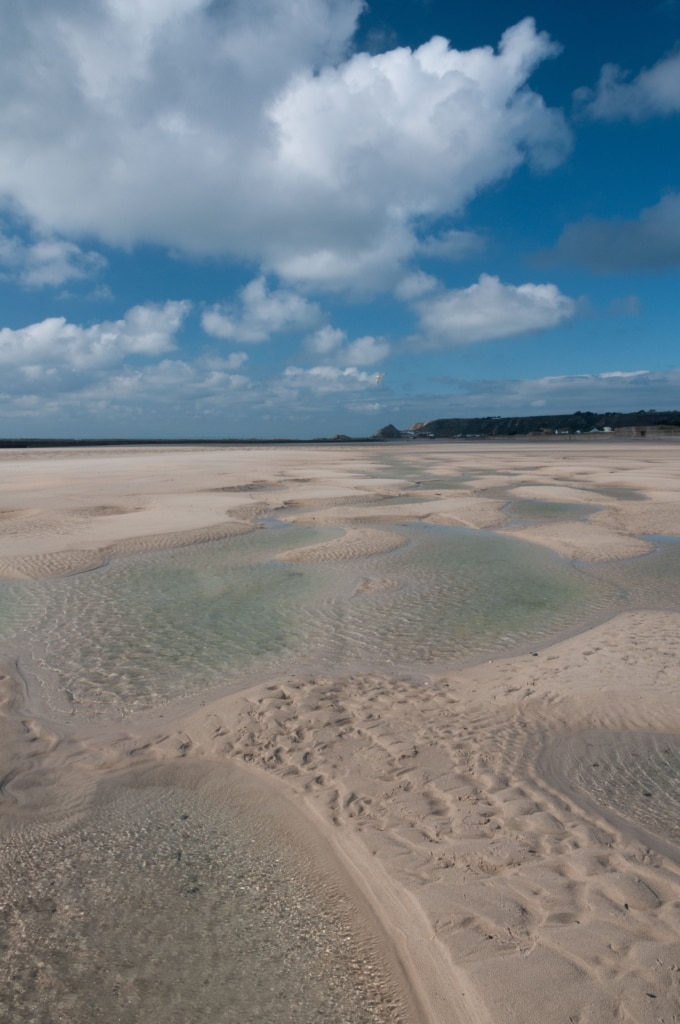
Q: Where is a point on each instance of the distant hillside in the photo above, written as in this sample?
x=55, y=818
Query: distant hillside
x=388, y=433
x=504, y=426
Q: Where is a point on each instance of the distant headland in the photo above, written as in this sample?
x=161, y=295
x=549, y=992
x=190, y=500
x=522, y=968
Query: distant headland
x=629, y=424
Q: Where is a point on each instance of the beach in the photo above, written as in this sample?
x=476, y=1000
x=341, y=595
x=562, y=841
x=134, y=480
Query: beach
x=487, y=819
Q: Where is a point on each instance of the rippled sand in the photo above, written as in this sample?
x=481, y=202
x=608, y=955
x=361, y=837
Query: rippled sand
x=486, y=793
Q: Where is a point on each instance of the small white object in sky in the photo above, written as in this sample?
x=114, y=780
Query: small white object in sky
x=379, y=377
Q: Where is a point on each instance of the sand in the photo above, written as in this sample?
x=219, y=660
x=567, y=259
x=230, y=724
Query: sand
x=497, y=887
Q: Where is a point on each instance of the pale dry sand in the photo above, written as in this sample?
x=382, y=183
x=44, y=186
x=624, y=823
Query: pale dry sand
x=503, y=890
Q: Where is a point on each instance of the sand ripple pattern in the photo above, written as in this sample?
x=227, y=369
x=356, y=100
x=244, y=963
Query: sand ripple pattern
x=149, y=629
x=177, y=899
x=69, y=563
x=354, y=544
x=438, y=782
x=635, y=774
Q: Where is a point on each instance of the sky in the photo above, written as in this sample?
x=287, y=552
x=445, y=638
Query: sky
x=302, y=218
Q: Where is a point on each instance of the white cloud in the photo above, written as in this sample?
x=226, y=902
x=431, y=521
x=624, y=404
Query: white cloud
x=623, y=374
x=655, y=91
x=366, y=351
x=328, y=379
x=490, y=309
x=170, y=381
x=242, y=128
x=170, y=396
x=55, y=262
x=330, y=342
x=393, y=136
x=145, y=330
x=48, y=261
x=326, y=340
x=363, y=254
x=414, y=285
x=234, y=361
x=166, y=395
x=261, y=314
x=451, y=245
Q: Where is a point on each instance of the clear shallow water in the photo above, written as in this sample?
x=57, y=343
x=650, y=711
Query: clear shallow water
x=635, y=774
x=649, y=581
x=618, y=492
x=239, y=923
x=536, y=511
x=157, y=626
x=414, y=474
x=178, y=899
x=458, y=593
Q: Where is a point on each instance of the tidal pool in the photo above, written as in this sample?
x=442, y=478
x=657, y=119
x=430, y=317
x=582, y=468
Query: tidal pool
x=152, y=627
x=635, y=774
x=184, y=895
x=528, y=510
x=648, y=581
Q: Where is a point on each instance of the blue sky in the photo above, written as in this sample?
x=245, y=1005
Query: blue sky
x=297, y=218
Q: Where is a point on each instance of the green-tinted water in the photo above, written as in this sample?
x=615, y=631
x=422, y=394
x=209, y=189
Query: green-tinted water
x=536, y=511
x=213, y=917
x=160, y=625
x=459, y=593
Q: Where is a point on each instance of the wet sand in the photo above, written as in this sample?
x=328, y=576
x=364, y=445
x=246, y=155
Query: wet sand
x=490, y=879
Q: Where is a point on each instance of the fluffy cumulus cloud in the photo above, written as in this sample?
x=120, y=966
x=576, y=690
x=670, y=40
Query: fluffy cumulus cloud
x=366, y=351
x=116, y=377
x=260, y=314
x=654, y=91
x=326, y=341
x=331, y=343
x=650, y=242
x=249, y=128
x=490, y=309
x=41, y=348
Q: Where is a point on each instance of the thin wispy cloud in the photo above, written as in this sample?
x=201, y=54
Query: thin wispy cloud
x=653, y=92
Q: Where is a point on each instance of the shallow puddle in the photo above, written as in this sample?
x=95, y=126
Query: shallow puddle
x=648, y=581
x=529, y=511
x=634, y=774
x=144, y=629
x=182, y=896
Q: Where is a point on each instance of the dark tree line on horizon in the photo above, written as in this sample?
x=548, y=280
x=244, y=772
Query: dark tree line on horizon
x=508, y=426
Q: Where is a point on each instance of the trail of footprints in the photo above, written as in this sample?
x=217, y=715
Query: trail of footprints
x=424, y=777
x=442, y=801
